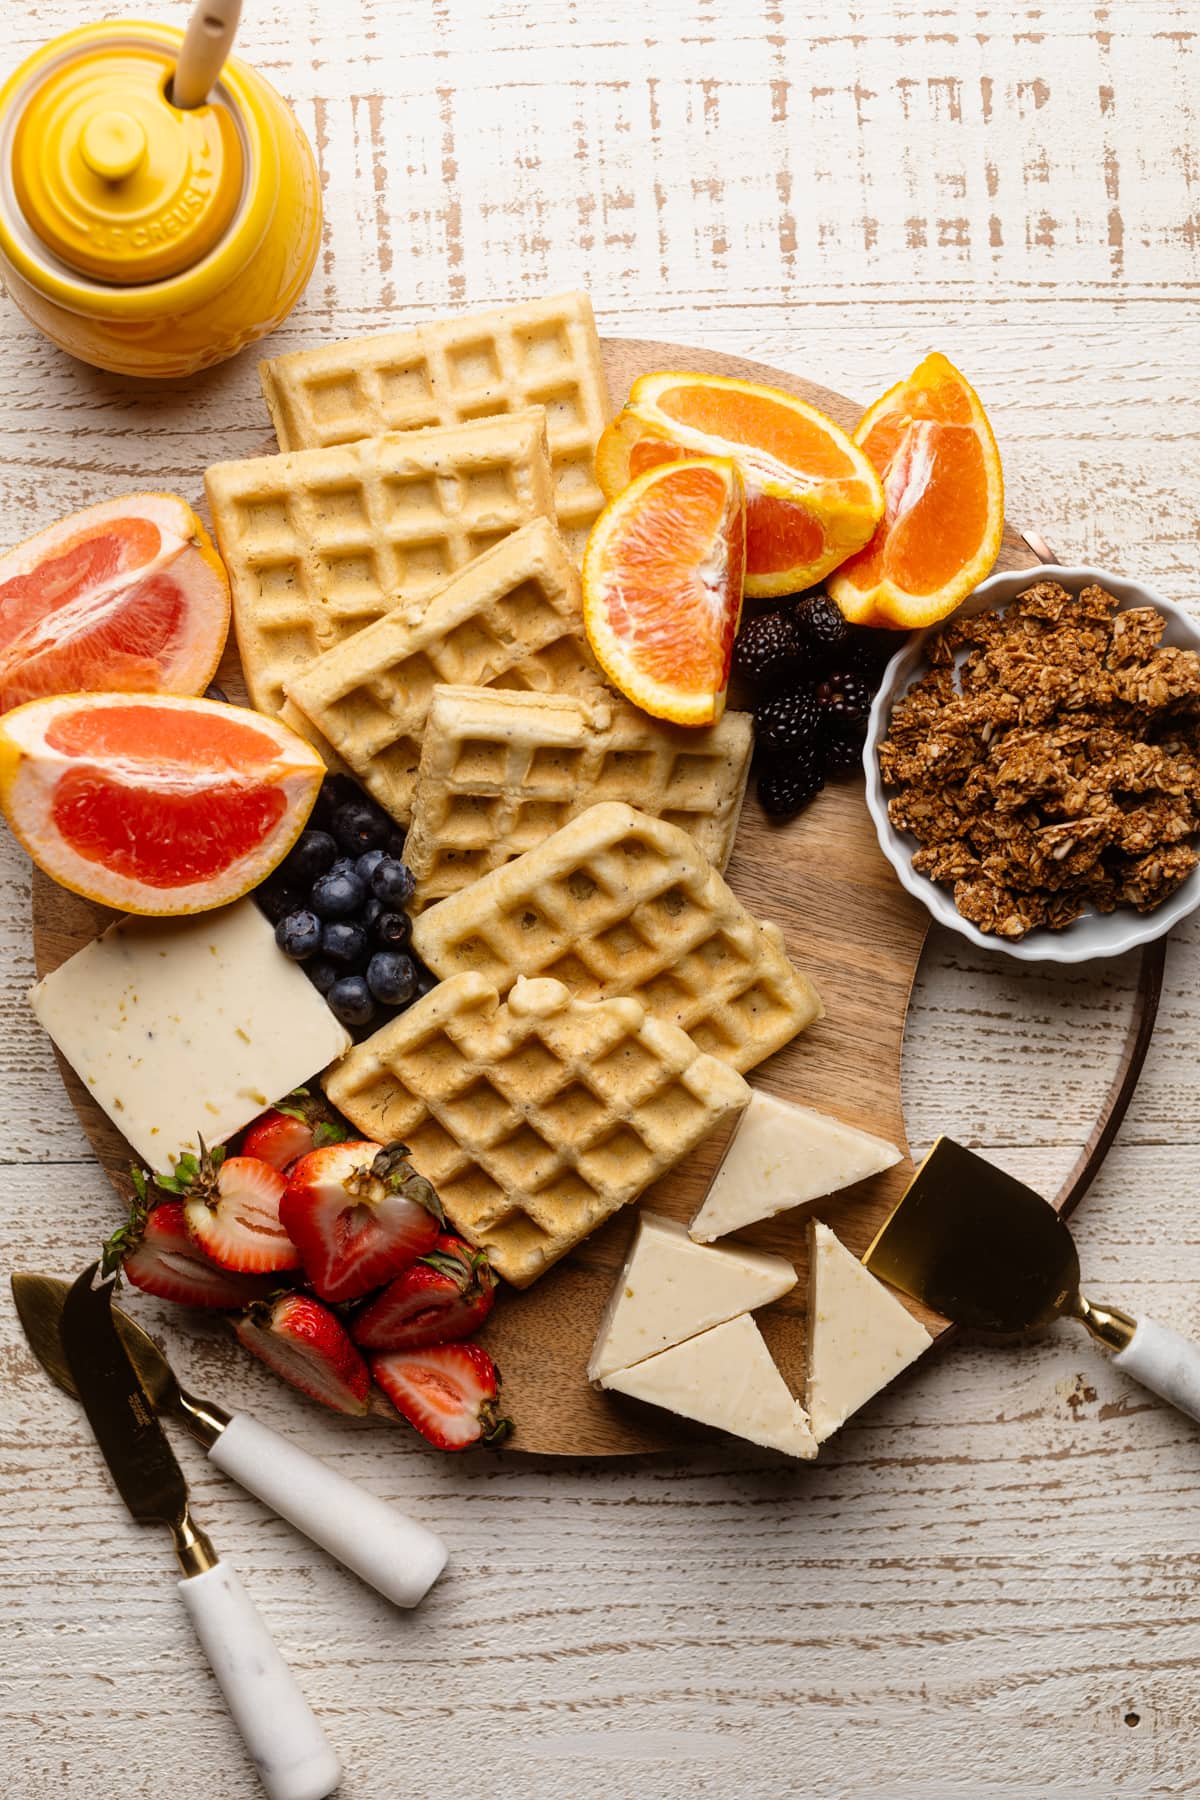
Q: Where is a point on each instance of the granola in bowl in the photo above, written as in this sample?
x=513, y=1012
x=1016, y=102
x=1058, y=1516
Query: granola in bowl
x=1048, y=760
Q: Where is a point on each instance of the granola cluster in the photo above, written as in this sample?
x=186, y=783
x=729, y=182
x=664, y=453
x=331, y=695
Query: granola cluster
x=1056, y=767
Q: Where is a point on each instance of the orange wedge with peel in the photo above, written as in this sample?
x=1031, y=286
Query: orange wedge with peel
x=812, y=497
x=125, y=597
x=931, y=442
x=662, y=587
x=154, y=803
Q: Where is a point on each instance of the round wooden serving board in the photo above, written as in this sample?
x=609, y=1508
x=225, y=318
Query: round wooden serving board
x=848, y=925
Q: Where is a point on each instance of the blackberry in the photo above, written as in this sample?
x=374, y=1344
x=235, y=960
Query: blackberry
x=785, y=788
x=868, y=650
x=821, y=626
x=844, y=695
x=769, y=647
x=786, y=722
x=843, y=746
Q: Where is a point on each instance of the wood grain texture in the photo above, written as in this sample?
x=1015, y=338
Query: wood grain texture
x=993, y=1569
x=851, y=928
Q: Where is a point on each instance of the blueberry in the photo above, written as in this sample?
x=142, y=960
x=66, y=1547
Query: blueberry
x=392, y=978
x=350, y=1000
x=372, y=909
x=393, y=882
x=213, y=692
x=368, y=862
x=395, y=842
x=359, y=826
x=426, y=981
x=336, y=896
x=344, y=941
x=322, y=973
x=276, y=898
x=310, y=856
x=346, y=865
x=393, y=930
x=298, y=935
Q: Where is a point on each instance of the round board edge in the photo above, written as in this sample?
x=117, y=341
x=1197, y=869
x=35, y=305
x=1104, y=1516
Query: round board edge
x=596, y=1425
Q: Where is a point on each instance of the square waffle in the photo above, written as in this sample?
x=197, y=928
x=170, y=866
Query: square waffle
x=323, y=542
x=535, y=353
x=537, y=1119
x=513, y=615
x=501, y=771
x=617, y=903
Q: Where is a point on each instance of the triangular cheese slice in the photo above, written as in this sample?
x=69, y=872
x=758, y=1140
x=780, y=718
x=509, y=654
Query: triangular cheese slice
x=783, y=1155
x=725, y=1377
x=859, y=1335
x=670, y=1289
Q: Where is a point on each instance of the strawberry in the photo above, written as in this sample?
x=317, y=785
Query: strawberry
x=302, y=1341
x=231, y=1205
x=448, y=1392
x=358, y=1214
x=290, y=1130
x=445, y=1296
x=157, y=1254
x=279, y=1139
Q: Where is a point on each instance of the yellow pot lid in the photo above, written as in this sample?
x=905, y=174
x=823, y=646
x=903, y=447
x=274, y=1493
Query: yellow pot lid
x=118, y=183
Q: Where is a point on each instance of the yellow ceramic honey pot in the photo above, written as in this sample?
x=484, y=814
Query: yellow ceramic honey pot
x=159, y=204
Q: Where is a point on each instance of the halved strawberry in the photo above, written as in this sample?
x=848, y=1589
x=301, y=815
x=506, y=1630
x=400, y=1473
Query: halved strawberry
x=231, y=1204
x=444, y=1297
x=279, y=1139
x=358, y=1214
x=302, y=1341
x=448, y=1392
x=290, y=1130
x=157, y=1254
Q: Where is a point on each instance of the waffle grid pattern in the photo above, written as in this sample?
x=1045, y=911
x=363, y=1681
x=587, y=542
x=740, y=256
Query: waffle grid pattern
x=537, y=353
x=616, y=903
x=513, y=615
x=321, y=543
x=538, y=1119
x=499, y=773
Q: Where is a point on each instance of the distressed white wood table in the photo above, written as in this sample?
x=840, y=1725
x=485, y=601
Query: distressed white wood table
x=989, y=1585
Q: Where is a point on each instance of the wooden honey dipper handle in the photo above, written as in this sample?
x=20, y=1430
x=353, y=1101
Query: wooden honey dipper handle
x=206, y=45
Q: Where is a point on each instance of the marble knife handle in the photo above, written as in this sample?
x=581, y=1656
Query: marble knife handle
x=392, y=1553
x=290, y=1751
x=1164, y=1362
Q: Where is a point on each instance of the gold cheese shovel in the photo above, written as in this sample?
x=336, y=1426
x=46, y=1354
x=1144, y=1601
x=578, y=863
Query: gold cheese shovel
x=984, y=1250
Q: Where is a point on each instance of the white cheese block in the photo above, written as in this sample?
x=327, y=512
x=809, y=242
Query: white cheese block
x=783, y=1155
x=185, y=1026
x=670, y=1289
x=859, y=1335
x=725, y=1377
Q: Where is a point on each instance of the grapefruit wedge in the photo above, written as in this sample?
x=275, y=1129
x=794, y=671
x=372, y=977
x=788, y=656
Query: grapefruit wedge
x=125, y=597
x=153, y=803
x=812, y=497
x=662, y=587
x=931, y=442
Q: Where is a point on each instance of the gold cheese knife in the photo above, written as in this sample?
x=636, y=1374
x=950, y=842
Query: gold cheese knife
x=984, y=1250
x=290, y=1751
x=398, y=1557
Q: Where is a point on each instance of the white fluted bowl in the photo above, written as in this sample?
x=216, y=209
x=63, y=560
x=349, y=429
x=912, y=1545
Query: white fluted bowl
x=1093, y=934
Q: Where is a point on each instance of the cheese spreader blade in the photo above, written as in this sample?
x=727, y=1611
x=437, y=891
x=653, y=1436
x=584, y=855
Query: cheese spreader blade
x=984, y=1250
x=398, y=1557
x=290, y=1751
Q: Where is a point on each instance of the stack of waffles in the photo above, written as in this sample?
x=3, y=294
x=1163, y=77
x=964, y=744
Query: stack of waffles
x=407, y=596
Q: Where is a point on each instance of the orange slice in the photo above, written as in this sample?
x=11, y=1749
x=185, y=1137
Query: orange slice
x=125, y=597
x=812, y=498
x=662, y=587
x=151, y=803
x=930, y=439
